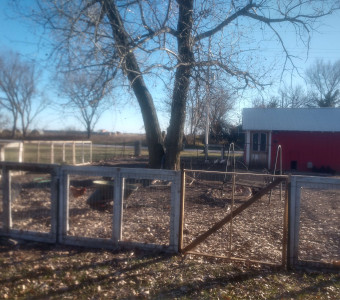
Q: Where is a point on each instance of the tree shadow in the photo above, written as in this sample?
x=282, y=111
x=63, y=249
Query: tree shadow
x=307, y=290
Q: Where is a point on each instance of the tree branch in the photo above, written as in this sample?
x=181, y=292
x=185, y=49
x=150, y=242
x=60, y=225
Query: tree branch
x=226, y=22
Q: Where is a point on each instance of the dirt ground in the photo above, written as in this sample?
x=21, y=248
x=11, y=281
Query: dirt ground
x=255, y=234
x=43, y=271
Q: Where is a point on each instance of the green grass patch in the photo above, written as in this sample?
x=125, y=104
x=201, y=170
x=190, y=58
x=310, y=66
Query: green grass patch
x=35, y=153
x=42, y=153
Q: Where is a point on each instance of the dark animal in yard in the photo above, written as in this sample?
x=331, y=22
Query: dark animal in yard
x=77, y=192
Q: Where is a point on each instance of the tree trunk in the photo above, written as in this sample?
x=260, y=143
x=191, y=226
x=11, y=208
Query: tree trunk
x=174, y=137
x=131, y=68
x=24, y=128
x=88, y=130
x=14, y=127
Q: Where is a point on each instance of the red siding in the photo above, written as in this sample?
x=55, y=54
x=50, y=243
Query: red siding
x=320, y=148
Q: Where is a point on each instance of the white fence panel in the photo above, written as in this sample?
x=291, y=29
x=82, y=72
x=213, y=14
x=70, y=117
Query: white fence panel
x=104, y=204
x=29, y=201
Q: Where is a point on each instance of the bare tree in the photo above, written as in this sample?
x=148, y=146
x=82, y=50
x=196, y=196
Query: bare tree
x=196, y=104
x=293, y=97
x=18, y=88
x=143, y=37
x=221, y=103
x=287, y=97
x=4, y=120
x=261, y=102
x=86, y=93
x=324, y=79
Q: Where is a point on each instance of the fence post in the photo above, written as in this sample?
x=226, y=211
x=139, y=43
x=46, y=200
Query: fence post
x=119, y=183
x=64, y=157
x=181, y=218
x=6, y=187
x=2, y=153
x=52, y=153
x=82, y=152
x=38, y=153
x=74, y=153
x=21, y=152
x=293, y=222
x=285, y=243
x=55, y=202
x=175, y=212
x=63, y=205
x=138, y=148
x=90, y=152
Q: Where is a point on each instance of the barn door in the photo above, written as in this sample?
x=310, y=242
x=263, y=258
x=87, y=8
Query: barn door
x=259, y=150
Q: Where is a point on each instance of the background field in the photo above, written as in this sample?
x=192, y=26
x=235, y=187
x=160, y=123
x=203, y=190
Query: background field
x=105, y=148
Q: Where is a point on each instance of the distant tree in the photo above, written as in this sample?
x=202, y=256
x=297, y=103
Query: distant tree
x=18, y=90
x=86, y=93
x=293, y=97
x=196, y=107
x=324, y=79
x=260, y=102
x=220, y=104
x=287, y=97
x=208, y=96
x=4, y=120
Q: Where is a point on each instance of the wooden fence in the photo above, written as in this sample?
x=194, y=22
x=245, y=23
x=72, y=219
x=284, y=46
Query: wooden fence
x=53, y=217
x=57, y=204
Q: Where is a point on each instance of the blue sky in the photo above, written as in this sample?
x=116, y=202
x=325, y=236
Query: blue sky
x=29, y=42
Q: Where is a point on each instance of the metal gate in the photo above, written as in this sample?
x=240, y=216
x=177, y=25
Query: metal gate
x=314, y=229
x=237, y=216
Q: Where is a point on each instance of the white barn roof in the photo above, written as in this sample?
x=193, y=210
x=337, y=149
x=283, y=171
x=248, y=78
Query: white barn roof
x=292, y=119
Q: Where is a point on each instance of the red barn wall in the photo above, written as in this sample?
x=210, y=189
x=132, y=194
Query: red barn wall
x=320, y=148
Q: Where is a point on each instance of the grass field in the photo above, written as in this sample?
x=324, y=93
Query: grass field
x=100, y=152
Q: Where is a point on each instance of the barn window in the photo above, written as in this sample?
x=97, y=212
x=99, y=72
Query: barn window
x=259, y=141
x=263, y=142
x=255, y=141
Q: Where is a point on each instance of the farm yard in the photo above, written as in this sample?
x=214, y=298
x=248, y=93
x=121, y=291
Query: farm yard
x=256, y=235
x=42, y=271
x=237, y=261
x=229, y=190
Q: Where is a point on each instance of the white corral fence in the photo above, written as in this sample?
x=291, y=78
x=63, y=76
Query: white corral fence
x=91, y=206
x=15, y=146
x=71, y=152
x=50, y=152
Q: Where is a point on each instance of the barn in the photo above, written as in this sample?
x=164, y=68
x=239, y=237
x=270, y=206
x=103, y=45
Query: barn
x=309, y=137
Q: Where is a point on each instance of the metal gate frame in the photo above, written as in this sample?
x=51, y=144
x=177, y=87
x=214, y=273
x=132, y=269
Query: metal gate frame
x=277, y=179
x=298, y=182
